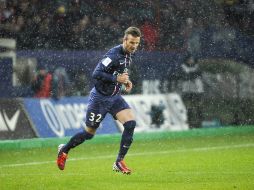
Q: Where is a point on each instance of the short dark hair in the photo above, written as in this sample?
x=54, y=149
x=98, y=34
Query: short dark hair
x=134, y=31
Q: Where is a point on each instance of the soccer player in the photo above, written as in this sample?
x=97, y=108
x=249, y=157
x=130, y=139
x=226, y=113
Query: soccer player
x=111, y=77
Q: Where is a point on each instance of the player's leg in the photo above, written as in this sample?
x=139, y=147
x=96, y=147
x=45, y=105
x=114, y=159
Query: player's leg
x=93, y=119
x=77, y=139
x=126, y=117
x=124, y=114
x=87, y=134
x=94, y=115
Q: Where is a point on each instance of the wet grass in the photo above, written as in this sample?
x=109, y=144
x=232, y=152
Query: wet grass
x=201, y=162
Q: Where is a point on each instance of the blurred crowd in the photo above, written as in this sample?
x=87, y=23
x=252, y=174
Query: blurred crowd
x=88, y=24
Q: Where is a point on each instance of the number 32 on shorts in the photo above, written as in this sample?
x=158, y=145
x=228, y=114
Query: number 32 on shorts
x=94, y=117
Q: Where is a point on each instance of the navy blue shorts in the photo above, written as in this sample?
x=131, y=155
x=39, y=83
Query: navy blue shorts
x=99, y=105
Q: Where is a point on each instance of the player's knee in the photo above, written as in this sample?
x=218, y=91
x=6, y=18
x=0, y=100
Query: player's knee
x=91, y=129
x=88, y=135
x=130, y=125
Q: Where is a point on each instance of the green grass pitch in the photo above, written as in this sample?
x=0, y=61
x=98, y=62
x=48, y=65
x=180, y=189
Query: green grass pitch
x=197, y=159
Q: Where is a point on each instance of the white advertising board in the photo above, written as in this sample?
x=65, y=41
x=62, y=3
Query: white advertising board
x=174, y=112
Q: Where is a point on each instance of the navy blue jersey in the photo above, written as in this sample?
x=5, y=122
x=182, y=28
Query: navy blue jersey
x=113, y=63
x=99, y=105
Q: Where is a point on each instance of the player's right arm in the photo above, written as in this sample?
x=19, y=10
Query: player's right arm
x=102, y=72
x=101, y=75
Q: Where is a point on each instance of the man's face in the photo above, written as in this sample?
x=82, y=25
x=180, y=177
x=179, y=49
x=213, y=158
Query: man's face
x=130, y=43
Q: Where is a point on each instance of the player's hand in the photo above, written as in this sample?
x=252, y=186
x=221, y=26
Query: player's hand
x=128, y=86
x=123, y=78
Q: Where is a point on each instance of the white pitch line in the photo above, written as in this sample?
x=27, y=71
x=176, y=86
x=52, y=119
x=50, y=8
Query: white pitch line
x=198, y=149
x=197, y=173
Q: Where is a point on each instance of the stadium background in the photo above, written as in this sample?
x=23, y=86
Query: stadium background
x=74, y=34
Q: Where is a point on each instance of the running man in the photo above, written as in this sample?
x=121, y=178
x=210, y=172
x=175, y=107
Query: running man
x=111, y=77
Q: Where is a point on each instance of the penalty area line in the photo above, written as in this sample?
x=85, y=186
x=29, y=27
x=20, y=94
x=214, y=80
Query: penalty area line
x=197, y=149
